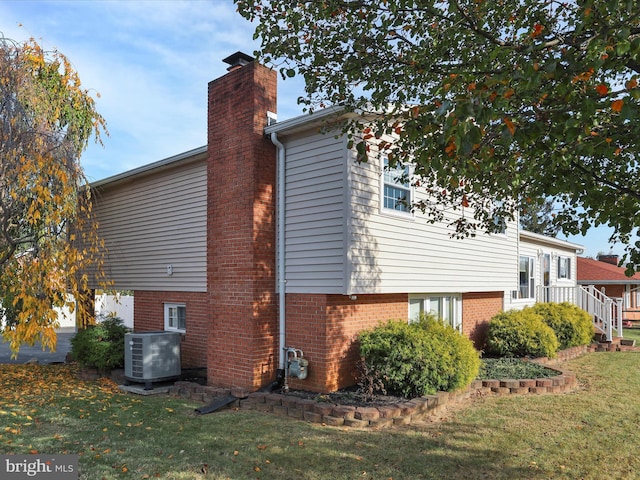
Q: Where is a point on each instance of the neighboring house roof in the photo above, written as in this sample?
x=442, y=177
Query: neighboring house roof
x=596, y=272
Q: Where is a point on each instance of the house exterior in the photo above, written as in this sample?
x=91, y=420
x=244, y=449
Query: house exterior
x=607, y=277
x=273, y=236
x=551, y=264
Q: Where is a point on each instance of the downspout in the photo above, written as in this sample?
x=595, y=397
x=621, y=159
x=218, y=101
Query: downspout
x=280, y=253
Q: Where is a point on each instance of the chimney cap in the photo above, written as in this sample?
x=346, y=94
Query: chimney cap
x=238, y=59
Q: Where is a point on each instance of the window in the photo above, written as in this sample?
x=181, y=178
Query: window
x=175, y=317
x=527, y=281
x=546, y=275
x=396, y=193
x=564, y=267
x=445, y=307
x=498, y=221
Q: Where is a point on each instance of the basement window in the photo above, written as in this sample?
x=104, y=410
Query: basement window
x=175, y=317
x=445, y=307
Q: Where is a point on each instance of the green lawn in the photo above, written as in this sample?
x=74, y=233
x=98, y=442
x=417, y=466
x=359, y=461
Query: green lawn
x=590, y=433
x=632, y=334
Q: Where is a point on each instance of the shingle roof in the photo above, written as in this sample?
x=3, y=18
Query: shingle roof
x=595, y=271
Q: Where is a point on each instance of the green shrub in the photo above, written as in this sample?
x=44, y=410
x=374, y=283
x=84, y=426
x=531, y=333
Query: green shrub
x=571, y=324
x=521, y=333
x=415, y=359
x=101, y=345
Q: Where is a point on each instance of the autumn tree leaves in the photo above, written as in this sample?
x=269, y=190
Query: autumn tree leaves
x=498, y=104
x=46, y=122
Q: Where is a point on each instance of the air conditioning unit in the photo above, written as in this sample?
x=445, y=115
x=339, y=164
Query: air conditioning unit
x=151, y=357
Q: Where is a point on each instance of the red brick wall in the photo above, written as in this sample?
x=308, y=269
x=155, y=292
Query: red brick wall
x=632, y=312
x=477, y=310
x=613, y=291
x=325, y=328
x=242, y=333
x=148, y=312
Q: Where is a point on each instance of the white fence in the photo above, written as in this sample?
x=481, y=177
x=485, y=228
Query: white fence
x=117, y=305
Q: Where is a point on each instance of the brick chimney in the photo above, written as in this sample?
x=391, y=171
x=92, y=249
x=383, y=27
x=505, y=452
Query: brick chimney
x=610, y=258
x=242, y=342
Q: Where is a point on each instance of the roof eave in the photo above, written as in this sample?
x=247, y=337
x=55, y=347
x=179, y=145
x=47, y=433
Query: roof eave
x=159, y=165
x=536, y=237
x=609, y=282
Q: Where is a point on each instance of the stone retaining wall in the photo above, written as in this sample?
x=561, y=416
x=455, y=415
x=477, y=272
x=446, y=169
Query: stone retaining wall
x=402, y=413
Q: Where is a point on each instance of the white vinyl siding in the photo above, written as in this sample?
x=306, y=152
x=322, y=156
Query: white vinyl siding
x=341, y=240
x=395, y=254
x=545, y=253
x=155, y=221
x=314, y=214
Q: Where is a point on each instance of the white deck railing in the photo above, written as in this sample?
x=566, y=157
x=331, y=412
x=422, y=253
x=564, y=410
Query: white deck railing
x=557, y=294
x=606, y=312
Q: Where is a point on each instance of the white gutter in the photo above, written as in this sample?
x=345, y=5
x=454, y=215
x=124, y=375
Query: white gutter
x=195, y=154
x=556, y=242
x=282, y=282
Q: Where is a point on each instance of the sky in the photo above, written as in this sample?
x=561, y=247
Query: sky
x=150, y=62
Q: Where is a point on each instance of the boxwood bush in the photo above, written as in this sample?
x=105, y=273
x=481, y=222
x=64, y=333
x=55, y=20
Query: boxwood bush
x=101, y=345
x=572, y=325
x=415, y=359
x=521, y=333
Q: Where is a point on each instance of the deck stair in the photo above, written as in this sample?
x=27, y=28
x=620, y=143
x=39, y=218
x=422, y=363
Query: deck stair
x=606, y=312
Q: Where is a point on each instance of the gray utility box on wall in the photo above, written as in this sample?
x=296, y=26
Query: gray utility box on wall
x=151, y=357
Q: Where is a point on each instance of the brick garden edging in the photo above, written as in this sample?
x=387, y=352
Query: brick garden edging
x=403, y=413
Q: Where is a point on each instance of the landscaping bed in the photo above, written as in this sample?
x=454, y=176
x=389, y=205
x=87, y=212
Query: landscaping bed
x=349, y=408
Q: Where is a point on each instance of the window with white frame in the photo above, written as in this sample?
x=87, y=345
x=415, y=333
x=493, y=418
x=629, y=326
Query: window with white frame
x=447, y=307
x=564, y=267
x=396, y=188
x=175, y=317
x=499, y=221
x=527, y=280
x=546, y=276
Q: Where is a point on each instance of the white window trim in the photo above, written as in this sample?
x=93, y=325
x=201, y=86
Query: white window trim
x=410, y=188
x=167, y=307
x=425, y=298
x=568, y=264
x=531, y=284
